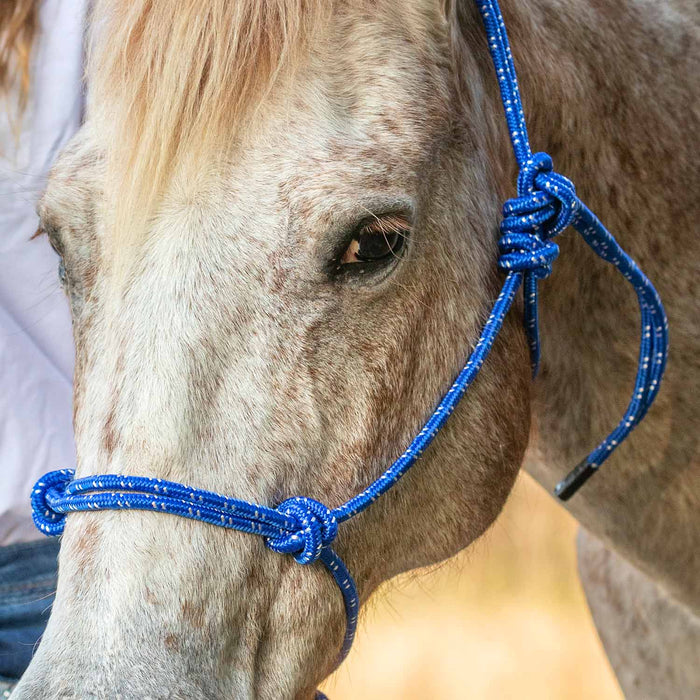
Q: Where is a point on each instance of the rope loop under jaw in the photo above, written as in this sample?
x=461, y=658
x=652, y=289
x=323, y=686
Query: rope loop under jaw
x=317, y=527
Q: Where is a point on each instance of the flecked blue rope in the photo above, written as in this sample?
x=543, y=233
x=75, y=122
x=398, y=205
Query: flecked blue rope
x=545, y=205
x=299, y=526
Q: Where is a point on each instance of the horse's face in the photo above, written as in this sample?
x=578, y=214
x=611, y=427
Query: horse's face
x=284, y=328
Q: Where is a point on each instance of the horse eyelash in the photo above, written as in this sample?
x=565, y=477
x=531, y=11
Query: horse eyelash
x=388, y=224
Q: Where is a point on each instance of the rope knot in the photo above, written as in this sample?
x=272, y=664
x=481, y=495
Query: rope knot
x=546, y=204
x=46, y=491
x=315, y=527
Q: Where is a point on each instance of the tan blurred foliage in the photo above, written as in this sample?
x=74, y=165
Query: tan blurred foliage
x=505, y=620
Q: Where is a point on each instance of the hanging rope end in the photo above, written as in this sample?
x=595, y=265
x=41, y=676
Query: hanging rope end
x=574, y=480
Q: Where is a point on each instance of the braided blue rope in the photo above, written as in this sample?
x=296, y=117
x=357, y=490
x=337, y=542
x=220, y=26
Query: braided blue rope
x=545, y=205
x=301, y=527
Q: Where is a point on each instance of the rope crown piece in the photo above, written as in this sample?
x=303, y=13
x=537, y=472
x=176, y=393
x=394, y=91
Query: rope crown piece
x=545, y=205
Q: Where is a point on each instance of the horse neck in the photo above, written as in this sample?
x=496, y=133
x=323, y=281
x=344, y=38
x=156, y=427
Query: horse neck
x=607, y=91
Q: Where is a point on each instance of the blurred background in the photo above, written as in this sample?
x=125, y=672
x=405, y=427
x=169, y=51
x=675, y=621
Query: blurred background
x=505, y=619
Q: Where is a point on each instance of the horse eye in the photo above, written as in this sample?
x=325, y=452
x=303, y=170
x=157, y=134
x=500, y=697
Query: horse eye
x=377, y=241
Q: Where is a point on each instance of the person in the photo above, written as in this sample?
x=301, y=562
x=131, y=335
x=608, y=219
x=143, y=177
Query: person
x=41, y=107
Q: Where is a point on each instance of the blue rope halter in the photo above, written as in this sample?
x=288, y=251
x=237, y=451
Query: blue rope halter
x=545, y=205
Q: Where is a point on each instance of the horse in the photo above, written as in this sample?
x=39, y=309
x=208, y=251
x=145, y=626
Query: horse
x=278, y=228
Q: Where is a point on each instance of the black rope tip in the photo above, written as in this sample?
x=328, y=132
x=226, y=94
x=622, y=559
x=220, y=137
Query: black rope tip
x=574, y=480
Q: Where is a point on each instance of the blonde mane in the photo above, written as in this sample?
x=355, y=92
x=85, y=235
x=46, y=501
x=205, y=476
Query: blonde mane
x=180, y=78
x=19, y=21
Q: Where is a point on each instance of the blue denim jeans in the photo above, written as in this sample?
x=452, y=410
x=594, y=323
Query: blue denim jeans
x=27, y=586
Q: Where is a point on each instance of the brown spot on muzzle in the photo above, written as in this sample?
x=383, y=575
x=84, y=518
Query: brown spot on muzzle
x=86, y=546
x=109, y=434
x=87, y=542
x=193, y=613
x=171, y=642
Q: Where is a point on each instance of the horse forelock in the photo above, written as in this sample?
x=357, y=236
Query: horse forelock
x=181, y=78
x=19, y=21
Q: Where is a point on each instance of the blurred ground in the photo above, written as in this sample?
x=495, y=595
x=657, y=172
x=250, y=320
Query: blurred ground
x=506, y=620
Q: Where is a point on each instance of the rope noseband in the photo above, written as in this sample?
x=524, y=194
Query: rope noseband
x=545, y=205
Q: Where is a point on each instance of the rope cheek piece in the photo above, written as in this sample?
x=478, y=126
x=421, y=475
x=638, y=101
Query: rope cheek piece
x=545, y=205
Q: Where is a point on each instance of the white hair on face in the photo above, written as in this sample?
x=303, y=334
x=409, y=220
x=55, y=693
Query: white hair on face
x=181, y=77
